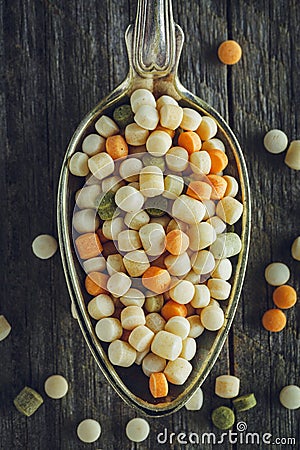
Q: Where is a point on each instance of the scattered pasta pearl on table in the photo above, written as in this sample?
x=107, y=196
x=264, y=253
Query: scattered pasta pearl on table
x=44, y=246
x=56, y=386
x=89, y=430
x=137, y=430
x=229, y=52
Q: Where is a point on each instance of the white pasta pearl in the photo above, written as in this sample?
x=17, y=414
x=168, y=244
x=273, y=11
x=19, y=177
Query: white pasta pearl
x=130, y=169
x=129, y=240
x=155, y=322
x=226, y=245
x=201, y=236
x=188, y=209
x=87, y=196
x=101, y=165
x=178, y=371
x=182, y=292
x=140, y=338
x=212, y=318
x=153, y=363
x=147, y=117
x=106, y=126
x=189, y=348
x=229, y=209
x=201, y=296
x=178, y=265
x=89, y=430
x=196, y=327
x=203, y=262
x=120, y=353
x=193, y=277
x=178, y=325
x=295, y=250
x=133, y=297
x=137, y=430
x=210, y=209
x=86, y=221
x=132, y=317
x=114, y=263
x=136, y=220
x=207, y=129
x=200, y=162
x=97, y=264
x=78, y=164
x=292, y=157
x=136, y=135
x=153, y=238
x=93, y=144
x=141, y=97
x=101, y=306
x=44, y=246
x=213, y=144
x=129, y=199
x=140, y=356
x=151, y=181
x=112, y=228
x=158, y=143
x=173, y=186
x=290, y=397
x=118, y=284
x=227, y=386
x=223, y=269
x=275, y=141
x=171, y=116
x=232, y=187
x=217, y=223
x=277, y=274
x=5, y=328
x=166, y=345
x=108, y=329
x=196, y=401
x=56, y=386
x=165, y=100
x=112, y=184
x=219, y=289
x=191, y=119
x=136, y=263
x=177, y=159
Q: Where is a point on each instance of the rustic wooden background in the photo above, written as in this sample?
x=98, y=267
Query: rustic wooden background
x=58, y=59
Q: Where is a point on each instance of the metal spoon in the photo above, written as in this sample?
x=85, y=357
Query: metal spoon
x=154, y=45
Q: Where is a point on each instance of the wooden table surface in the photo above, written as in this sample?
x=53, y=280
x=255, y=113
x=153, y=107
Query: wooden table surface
x=58, y=59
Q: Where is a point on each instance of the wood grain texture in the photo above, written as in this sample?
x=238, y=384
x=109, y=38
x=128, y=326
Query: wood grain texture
x=58, y=58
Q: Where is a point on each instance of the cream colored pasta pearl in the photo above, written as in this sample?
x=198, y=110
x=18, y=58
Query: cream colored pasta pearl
x=141, y=97
x=212, y=318
x=189, y=348
x=219, y=289
x=153, y=363
x=210, y=209
x=87, y=196
x=212, y=144
x=277, y=274
x=153, y=238
x=101, y=165
x=178, y=325
x=226, y=245
x=201, y=236
x=188, y=209
x=166, y=345
x=203, y=262
x=147, y=117
x=292, y=157
x=129, y=240
x=140, y=356
x=93, y=144
x=136, y=263
x=229, y=209
x=56, y=386
x=136, y=135
x=201, y=296
x=106, y=126
x=118, y=284
x=132, y=317
x=290, y=397
x=114, y=263
x=223, y=269
x=196, y=327
x=97, y=264
x=227, y=386
x=133, y=297
x=178, y=371
x=44, y=246
x=112, y=184
x=191, y=119
x=86, y=221
x=140, y=338
x=155, y=322
x=158, y=143
x=217, y=223
x=178, y=265
x=275, y=141
x=232, y=187
x=165, y=100
x=101, y=306
x=89, y=430
x=137, y=430
x=182, y=292
x=151, y=181
x=130, y=168
x=5, y=328
x=207, y=129
x=112, y=228
x=120, y=353
x=171, y=116
x=295, y=250
x=136, y=220
x=129, y=199
x=177, y=159
x=78, y=164
x=173, y=186
x=193, y=277
x=200, y=162
x=196, y=401
x=109, y=329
